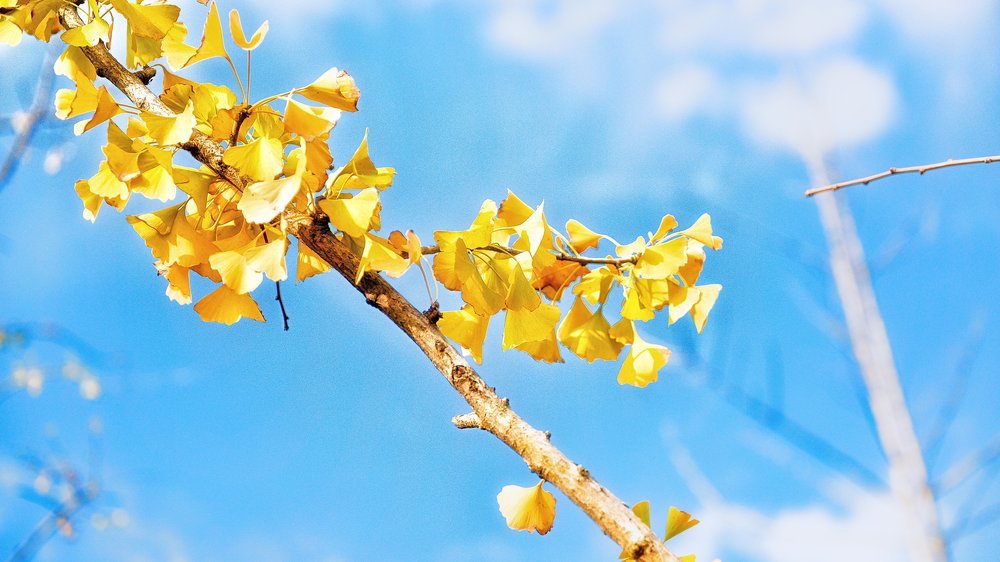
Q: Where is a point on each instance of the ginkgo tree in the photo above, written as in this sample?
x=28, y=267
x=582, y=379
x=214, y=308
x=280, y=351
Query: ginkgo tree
x=263, y=175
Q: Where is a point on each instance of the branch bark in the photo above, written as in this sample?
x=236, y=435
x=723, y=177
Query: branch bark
x=908, y=478
x=494, y=413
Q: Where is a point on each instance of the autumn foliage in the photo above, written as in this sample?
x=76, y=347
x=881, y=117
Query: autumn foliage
x=230, y=235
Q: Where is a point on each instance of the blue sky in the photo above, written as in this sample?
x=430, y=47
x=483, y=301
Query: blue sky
x=333, y=441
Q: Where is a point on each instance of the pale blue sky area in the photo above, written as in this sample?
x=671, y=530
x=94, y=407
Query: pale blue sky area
x=333, y=441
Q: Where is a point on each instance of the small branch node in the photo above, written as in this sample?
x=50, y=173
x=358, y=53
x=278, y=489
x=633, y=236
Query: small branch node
x=467, y=421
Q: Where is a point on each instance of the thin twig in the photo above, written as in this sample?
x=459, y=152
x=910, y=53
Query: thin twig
x=563, y=256
x=281, y=302
x=908, y=170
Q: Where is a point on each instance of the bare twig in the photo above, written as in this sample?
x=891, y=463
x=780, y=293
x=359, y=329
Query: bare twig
x=34, y=117
x=281, y=303
x=609, y=512
x=908, y=170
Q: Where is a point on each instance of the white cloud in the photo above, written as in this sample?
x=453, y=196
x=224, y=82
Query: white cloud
x=855, y=523
x=836, y=104
x=863, y=526
x=688, y=91
x=928, y=21
x=548, y=30
x=760, y=27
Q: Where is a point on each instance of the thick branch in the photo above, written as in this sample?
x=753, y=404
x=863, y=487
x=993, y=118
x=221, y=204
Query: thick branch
x=610, y=513
x=909, y=170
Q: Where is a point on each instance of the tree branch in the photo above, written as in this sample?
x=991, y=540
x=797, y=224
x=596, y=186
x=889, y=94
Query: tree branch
x=563, y=256
x=32, y=119
x=495, y=415
x=908, y=478
x=909, y=170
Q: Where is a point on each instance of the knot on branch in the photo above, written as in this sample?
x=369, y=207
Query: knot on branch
x=433, y=314
x=145, y=74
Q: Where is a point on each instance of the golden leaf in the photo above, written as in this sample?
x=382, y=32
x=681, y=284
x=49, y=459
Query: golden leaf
x=467, y=328
x=226, y=306
x=528, y=509
x=334, y=88
x=236, y=30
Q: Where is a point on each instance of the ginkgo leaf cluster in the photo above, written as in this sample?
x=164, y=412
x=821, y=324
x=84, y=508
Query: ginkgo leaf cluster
x=218, y=239
x=510, y=261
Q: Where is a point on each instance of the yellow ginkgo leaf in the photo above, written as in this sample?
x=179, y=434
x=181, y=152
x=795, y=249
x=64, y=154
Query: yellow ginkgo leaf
x=379, y=255
x=524, y=326
x=521, y=295
x=596, y=284
x=513, y=211
x=634, y=306
x=87, y=35
x=630, y=249
x=175, y=129
x=155, y=180
x=701, y=231
x=677, y=522
x=106, y=184
x=334, y=88
x=178, y=282
x=662, y=260
x=148, y=20
x=269, y=259
x=699, y=312
x=236, y=30
x=360, y=172
x=467, y=328
x=691, y=269
x=528, y=509
x=555, y=278
x=10, y=34
x=475, y=291
x=91, y=201
x=236, y=273
x=260, y=160
x=226, y=306
x=105, y=109
x=176, y=51
x=667, y=223
x=587, y=335
x=309, y=122
x=681, y=300
x=309, y=264
x=262, y=201
x=581, y=237
x=211, y=42
x=354, y=215
x=75, y=65
x=643, y=362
